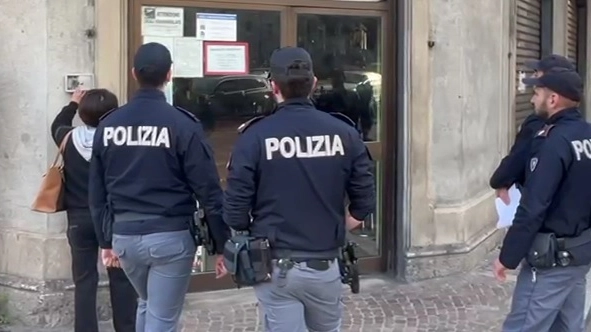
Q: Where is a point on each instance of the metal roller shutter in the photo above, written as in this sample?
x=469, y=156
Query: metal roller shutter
x=528, y=24
x=572, y=28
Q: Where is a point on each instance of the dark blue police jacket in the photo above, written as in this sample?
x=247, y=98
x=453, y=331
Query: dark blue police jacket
x=557, y=191
x=290, y=172
x=511, y=170
x=150, y=158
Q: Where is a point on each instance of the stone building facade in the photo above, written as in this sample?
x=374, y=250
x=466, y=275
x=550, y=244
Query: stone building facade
x=449, y=100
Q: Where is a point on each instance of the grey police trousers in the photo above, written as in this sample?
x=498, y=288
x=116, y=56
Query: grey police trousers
x=159, y=268
x=548, y=300
x=305, y=298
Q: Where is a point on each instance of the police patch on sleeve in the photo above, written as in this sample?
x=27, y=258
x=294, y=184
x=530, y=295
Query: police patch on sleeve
x=533, y=162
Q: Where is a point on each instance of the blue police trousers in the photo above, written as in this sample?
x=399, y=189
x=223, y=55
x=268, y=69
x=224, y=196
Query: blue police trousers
x=305, y=298
x=159, y=267
x=548, y=300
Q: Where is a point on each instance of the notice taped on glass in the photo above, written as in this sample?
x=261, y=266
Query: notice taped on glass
x=188, y=57
x=162, y=21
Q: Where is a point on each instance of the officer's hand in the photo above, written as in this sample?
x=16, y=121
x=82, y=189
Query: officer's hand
x=503, y=194
x=107, y=257
x=352, y=223
x=499, y=270
x=77, y=95
x=220, y=267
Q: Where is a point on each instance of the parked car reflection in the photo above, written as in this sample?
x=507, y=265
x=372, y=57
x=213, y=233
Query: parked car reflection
x=238, y=96
x=354, y=79
x=231, y=99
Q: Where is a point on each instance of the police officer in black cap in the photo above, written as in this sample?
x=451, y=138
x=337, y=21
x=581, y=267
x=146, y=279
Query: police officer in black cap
x=290, y=173
x=511, y=170
x=551, y=229
x=149, y=161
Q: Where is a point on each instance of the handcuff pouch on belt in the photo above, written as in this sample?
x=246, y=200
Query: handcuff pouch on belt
x=542, y=253
x=549, y=251
x=248, y=260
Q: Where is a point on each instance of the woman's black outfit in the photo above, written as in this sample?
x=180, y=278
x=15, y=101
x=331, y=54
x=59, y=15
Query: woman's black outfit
x=83, y=241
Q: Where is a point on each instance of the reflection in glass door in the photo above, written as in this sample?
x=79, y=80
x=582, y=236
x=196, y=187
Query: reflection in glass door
x=347, y=55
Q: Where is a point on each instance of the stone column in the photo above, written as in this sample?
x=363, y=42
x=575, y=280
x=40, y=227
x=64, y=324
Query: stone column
x=42, y=41
x=459, y=112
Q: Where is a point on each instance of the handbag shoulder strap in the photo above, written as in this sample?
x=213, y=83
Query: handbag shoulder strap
x=62, y=148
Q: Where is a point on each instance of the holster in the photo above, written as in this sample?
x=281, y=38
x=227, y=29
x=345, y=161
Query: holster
x=195, y=231
x=248, y=260
x=201, y=231
x=542, y=253
x=348, y=267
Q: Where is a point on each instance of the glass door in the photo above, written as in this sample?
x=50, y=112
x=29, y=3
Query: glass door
x=347, y=48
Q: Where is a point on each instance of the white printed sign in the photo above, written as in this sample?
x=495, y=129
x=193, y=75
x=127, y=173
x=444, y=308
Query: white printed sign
x=216, y=27
x=162, y=21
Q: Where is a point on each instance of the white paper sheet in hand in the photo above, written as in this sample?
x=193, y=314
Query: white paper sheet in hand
x=507, y=212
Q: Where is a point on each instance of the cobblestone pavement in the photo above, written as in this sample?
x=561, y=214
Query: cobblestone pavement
x=469, y=302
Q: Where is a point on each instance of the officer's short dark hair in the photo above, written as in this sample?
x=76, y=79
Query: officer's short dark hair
x=95, y=104
x=150, y=78
x=295, y=88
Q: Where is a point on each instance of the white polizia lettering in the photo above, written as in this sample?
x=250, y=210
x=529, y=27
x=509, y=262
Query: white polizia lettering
x=304, y=147
x=137, y=136
x=582, y=148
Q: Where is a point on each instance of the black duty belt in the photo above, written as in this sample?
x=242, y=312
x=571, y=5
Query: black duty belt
x=316, y=260
x=565, y=243
x=316, y=264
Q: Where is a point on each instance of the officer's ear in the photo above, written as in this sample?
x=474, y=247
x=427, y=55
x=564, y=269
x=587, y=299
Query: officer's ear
x=275, y=88
x=169, y=75
x=133, y=74
x=315, y=83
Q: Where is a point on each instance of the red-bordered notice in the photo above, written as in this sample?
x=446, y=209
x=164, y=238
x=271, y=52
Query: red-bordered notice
x=226, y=58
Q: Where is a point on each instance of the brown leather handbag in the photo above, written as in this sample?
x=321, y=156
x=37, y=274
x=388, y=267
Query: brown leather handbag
x=50, y=198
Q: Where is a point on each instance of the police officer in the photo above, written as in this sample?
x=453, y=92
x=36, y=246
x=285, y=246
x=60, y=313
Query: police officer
x=511, y=170
x=290, y=172
x=551, y=229
x=148, y=161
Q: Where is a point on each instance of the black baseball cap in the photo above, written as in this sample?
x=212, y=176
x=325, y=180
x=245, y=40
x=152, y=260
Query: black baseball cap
x=153, y=58
x=565, y=82
x=550, y=61
x=289, y=63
